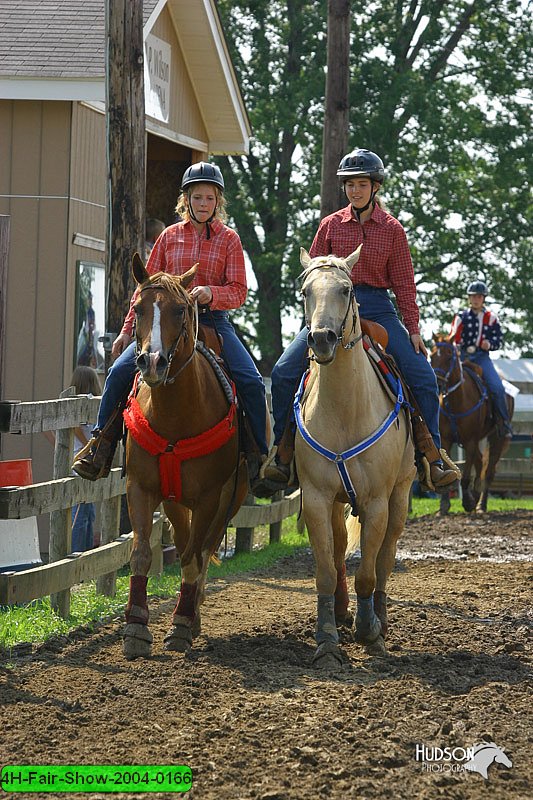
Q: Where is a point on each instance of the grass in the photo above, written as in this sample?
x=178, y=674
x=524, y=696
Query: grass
x=37, y=621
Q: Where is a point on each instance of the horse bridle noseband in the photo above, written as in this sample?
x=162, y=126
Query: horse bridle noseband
x=351, y=304
x=182, y=333
x=445, y=376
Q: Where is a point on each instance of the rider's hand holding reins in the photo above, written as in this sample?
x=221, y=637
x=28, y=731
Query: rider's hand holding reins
x=202, y=294
x=418, y=344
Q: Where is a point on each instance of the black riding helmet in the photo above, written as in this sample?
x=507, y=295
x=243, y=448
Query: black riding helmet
x=477, y=287
x=362, y=163
x=202, y=172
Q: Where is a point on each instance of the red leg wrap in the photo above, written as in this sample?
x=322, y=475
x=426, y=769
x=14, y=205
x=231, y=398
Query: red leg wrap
x=137, y=608
x=185, y=607
x=342, y=599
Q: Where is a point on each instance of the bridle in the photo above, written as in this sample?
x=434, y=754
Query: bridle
x=181, y=334
x=351, y=305
x=443, y=377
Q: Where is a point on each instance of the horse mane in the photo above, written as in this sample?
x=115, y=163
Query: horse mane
x=172, y=283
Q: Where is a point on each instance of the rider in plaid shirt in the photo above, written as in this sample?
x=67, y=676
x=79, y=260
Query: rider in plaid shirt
x=220, y=282
x=385, y=263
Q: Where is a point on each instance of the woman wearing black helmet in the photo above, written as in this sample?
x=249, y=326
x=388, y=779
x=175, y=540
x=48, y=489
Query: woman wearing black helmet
x=201, y=237
x=385, y=263
x=477, y=331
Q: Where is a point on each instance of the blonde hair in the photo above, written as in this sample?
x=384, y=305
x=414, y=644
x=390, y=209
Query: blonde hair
x=182, y=207
x=85, y=380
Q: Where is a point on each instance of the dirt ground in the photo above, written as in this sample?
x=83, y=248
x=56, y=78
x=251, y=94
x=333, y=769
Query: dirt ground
x=253, y=719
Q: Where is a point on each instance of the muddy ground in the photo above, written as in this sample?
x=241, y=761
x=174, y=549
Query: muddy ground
x=253, y=719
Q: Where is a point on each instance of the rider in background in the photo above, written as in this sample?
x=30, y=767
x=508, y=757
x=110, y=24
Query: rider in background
x=385, y=263
x=219, y=285
x=476, y=330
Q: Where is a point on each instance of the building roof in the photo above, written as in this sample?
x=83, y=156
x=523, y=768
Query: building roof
x=55, y=50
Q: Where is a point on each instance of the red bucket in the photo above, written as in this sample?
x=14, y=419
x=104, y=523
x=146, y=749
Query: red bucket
x=16, y=473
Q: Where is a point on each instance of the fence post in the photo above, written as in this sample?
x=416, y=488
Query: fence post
x=61, y=521
x=275, y=527
x=244, y=537
x=110, y=522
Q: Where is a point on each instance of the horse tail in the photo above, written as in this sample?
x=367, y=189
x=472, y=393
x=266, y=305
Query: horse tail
x=353, y=528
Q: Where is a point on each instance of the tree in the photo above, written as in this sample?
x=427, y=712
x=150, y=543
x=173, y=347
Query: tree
x=440, y=90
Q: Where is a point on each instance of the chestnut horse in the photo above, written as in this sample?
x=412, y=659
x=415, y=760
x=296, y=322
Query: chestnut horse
x=183, y=449
x=466, y=417
x=352, y=444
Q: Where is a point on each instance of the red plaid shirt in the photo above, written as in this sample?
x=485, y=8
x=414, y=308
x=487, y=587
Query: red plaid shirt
x=221, y=261
x=385, y=260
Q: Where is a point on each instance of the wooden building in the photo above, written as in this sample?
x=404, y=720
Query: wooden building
x=53, y=168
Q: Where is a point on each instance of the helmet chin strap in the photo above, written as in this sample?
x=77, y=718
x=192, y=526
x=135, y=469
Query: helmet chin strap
x=195, y=218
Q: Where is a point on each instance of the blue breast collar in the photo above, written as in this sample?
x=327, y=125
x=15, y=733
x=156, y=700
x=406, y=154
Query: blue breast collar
x=340, y=458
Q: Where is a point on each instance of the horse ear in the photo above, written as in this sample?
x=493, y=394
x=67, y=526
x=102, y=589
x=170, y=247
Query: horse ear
x=353, y=258
x=139, y=272
x=188, y=276
x=305, y=258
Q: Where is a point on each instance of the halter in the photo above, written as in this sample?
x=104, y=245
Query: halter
x=445, y=376
x=173, y=348
x=351, y=304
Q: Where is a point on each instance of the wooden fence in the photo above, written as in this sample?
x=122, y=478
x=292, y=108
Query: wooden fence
x=56, y=497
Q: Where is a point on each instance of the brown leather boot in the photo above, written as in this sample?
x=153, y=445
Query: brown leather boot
x=94, y=460
x=436, y=470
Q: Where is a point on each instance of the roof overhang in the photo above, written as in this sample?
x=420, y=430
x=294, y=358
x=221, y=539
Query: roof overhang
x=201, y=38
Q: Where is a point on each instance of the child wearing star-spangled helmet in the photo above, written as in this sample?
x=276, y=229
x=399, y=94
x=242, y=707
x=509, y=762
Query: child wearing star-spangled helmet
x=476, y=330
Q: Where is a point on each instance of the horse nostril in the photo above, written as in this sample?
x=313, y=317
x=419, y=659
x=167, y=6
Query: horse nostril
x=331, y=337
x=143, y=361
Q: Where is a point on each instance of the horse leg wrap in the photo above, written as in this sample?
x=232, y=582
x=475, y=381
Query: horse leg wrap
x=137, y=608
x=342, y=598
x=186, y=605
x=380, y=607
x=326, y=629
x=367, y=624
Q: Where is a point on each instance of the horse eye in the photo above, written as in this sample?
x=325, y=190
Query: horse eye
x=137, y=310
x=303, y=293
x=346, y=290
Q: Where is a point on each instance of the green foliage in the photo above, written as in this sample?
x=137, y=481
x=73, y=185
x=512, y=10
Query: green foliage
x=441, y=91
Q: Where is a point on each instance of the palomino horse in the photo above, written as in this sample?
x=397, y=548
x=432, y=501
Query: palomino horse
x=183, y=449
x=466, y=418
x=350, y=446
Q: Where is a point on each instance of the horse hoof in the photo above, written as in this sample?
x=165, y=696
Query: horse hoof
x=137, y=641
x=377, y=648
x=178, y=639
x=344, y=620
x=328, y=657
x=369, y=633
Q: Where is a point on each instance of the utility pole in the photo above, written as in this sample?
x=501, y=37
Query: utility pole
x=335, y=141
x=125, y=130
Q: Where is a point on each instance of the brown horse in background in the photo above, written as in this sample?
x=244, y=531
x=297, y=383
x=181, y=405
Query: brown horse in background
x=183, y=450
x=466, y=417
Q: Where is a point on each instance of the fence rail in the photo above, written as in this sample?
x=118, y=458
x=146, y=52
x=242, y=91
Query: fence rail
x=57, y=496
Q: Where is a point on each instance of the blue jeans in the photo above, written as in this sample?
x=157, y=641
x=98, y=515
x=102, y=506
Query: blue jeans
x=491, y=378
x=247, y=378
x=83, y=516
x=375, y=305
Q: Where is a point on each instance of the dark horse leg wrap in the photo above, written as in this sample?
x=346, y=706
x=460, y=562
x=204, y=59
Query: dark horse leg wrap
x=137, y=608
x=185, y=607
